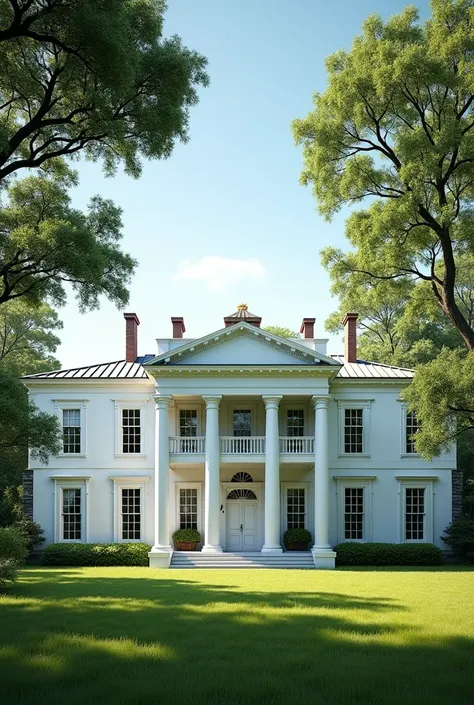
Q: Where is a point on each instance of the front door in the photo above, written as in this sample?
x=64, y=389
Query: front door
x=242, y=525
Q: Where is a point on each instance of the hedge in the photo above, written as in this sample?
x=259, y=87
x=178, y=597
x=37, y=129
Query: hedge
x=387, y=554
x=96, y=554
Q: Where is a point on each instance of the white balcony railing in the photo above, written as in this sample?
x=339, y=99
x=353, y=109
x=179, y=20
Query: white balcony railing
x=296, y=446
x=191, y=446
x=246, y=445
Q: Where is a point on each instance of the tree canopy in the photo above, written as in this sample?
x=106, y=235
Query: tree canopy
x=282, y=332
x=45, y=243
x=95, y=76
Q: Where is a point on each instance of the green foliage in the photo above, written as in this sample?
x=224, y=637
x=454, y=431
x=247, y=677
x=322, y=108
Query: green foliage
x=95, y=76
x=11, y=504
x=12, y=544
x=31, y=531
x=460, y=536
x=396, y=127
x=442, y=395
x=8, y=571
x=46, y=243
x=96, y=554
x=387, y=554
x=186, y=536
x=297, y=536
x=282, y=332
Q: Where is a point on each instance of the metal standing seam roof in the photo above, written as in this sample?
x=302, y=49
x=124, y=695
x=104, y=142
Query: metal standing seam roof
x=362, y=369
x=108, y=370
x=121, y=369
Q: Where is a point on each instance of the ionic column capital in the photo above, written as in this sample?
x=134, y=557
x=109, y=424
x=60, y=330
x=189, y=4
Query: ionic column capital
x=320, y=401
x=271, y=401
x=162, y=401
x=212, y=401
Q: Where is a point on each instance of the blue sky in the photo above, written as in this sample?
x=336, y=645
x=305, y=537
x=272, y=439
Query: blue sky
x=232, y=192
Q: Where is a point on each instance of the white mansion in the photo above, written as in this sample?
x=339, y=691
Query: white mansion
x=242, y=435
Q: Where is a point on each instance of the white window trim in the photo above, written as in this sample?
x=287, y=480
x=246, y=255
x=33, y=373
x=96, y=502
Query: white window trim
x=134, y=482
x=285, y=486
x=244, y=405
x=81, y=404
x=120, y=405
x=354, y=483
x=425, y=483
x=191, y=486
x=365, y=405
x=70, y=483
x=403, y=427
x=189, y=407
x=285, y=408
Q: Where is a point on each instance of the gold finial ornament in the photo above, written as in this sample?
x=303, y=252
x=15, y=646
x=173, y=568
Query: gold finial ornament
x=242, y=307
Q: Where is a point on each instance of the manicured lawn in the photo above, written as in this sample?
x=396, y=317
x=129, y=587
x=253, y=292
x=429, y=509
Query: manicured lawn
x=75, y=636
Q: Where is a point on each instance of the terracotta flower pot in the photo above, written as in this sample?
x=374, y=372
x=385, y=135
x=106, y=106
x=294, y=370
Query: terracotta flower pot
x=296, y=546
x=185, y=546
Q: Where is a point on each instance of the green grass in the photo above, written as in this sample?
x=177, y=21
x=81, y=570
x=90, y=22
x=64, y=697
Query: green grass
x=75, y=636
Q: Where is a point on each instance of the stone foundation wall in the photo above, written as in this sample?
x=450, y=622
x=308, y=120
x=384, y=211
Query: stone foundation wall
x=28, y=493
x=457, y=486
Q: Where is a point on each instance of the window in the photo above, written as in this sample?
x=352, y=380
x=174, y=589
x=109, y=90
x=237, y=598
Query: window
x=188, y=423
x=411, y=427
x=131, y=514
x=131, y=431
x=353, y=513
x=242, y=422
x=188, y=508
x=353, y=430
x=414, y=513
x=295, y=422
x=295, y=508
x=71, y=514
x=71, y=431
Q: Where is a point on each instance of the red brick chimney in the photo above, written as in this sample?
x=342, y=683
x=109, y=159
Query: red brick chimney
x=307, y=327
x=350, y=337
x=131, y=336
x=178, y=326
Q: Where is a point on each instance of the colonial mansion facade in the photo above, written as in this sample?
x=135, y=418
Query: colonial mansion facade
x=242, y=435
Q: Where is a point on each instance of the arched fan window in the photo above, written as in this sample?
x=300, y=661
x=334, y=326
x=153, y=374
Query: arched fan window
x=241, y=494
x=242, y=477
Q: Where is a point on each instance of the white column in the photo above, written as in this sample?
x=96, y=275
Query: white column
x=211, y=478
x=272, y=476
x=161, y=552
x=324, y=556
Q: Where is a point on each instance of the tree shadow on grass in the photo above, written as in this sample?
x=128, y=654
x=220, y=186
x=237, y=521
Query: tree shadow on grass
x=78, y=640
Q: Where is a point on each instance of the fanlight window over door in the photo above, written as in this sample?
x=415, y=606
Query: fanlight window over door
x=242, y=494
x=242, y=477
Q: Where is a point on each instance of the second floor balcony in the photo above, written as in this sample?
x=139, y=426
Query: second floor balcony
x=242, y=445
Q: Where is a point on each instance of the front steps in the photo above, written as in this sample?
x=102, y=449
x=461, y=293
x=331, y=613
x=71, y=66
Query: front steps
x=196, y=559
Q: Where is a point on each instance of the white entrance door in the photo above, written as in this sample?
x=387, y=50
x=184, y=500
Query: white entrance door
x=242, y=525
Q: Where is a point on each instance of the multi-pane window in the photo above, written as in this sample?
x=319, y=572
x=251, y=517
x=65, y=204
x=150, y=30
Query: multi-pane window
x=412, y=426
x=71, y=430
x=71, y=514
x=295, y=422
x=131, y=431
x=353, y=513
x=188, y=423
x=242, y=422
x=295, y=508
x=131, y=514
x=414, y=513
x=353, y=430
x=188, y=508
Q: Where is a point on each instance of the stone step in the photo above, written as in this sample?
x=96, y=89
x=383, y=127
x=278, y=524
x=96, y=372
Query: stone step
x=196, y=559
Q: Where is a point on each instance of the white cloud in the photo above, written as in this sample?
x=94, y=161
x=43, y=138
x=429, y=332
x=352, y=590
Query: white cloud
x=220, y=272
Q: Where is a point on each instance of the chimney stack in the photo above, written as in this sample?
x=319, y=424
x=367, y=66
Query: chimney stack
x=350, y=337
x=131, y=336
x=307, y=327
x=178, y=326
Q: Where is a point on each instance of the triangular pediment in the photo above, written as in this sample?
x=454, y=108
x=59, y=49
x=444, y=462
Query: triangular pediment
x=242, y=344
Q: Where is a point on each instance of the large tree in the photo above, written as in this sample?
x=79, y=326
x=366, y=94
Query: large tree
x=395, y=128
x=95, y=76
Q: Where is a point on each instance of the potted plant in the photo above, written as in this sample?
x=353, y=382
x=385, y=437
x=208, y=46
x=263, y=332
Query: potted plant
x=297, y=539
x=186, y=539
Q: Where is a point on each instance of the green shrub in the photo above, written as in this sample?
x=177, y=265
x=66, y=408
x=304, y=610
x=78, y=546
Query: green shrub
x=13, y=552
x=32, y=532
x=460, y=536
x=186, y=536
x=387, y=554
x=96, y=554
x=8, y=571
x=297, y=536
